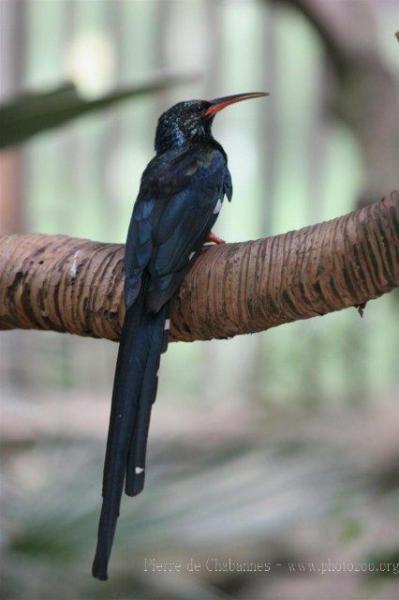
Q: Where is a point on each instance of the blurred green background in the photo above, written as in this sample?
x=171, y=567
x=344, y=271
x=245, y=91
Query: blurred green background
x=278, y=448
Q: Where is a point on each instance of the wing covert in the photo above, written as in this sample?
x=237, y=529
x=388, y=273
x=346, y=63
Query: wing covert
x=167, y=228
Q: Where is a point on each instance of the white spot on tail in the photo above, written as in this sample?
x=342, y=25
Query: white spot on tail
x=74, y=265
x=167, y=325
x=138, y=470
x=191, y=255
x=217, y=208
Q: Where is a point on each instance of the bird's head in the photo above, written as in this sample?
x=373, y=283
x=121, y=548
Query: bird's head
x=192, y=120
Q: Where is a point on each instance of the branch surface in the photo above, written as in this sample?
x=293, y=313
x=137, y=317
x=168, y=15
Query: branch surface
x=72, y=285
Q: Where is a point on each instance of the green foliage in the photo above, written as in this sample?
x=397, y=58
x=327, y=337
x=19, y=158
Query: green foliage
x=33, y=113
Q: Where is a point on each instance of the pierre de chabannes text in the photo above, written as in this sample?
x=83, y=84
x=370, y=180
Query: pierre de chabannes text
x=212, y=564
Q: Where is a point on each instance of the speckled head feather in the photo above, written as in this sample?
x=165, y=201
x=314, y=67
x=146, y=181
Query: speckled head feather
x=184, y=122
x=192, y=120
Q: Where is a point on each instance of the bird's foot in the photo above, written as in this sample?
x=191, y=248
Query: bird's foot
x=211, y=237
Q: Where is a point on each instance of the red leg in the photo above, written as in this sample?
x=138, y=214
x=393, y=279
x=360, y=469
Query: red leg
x=211, y=237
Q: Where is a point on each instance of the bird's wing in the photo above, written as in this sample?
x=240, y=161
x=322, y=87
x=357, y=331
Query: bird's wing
x=179, y=199
x=178, y=203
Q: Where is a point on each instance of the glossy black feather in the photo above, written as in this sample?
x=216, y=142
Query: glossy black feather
x=139, y=348
x=178, y=203
x=173, y=214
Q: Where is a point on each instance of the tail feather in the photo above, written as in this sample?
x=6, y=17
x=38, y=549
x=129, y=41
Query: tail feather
x=136, y=462
x=121, y=381
x=135, y=472
x=137, y=359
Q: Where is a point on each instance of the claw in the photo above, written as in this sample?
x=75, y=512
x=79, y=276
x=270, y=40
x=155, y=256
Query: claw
x=211, y=237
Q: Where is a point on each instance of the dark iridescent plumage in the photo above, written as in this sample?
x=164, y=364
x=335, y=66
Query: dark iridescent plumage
x=180, y=197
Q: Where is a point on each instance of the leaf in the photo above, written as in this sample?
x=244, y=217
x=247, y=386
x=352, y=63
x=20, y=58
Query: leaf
x=32, y=112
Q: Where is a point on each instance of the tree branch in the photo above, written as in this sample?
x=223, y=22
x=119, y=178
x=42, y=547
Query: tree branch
x=73, y=285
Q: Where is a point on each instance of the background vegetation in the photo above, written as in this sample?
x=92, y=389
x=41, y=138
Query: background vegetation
x=277, y=448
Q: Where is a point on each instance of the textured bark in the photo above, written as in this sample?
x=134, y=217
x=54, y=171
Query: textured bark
x=66, y=284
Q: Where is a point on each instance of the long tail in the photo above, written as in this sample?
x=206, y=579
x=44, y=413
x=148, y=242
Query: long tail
x=135, y=472
x=132, y=397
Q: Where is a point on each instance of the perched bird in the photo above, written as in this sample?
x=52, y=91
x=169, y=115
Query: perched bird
x=181, y=194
